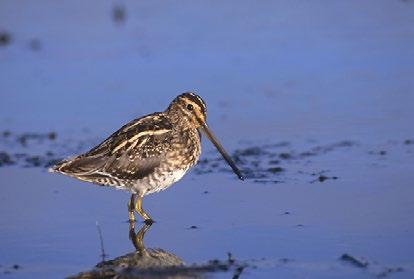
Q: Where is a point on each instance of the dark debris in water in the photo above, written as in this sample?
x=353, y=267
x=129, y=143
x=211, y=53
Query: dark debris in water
x=266, y=181
x=275, y=169
x=322, y=178
x=10, y=269
x=193, y=227
x=118, y=14
x=285, y=260
x=5, y=38
x=379, y=152
x=269, y=163
x=27, y=160
x=319, y=150
x=388, y=270
x=24, y=139
x=5, y=159
x=372, y=267
x=250, y=151
x=409, y=141
x=35, y=44
x=361, y=263
x=29, y=149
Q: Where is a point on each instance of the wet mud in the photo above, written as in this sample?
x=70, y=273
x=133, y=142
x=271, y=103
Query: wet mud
x=158, y=263
x=269, y=163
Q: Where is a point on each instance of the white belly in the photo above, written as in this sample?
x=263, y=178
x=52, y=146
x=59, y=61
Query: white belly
x=161, y=182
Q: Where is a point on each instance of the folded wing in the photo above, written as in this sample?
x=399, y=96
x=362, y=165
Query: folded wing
x=130, y=153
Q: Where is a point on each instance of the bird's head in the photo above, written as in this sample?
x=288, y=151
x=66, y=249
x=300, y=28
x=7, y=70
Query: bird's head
x=191, y=107
x=189, y=110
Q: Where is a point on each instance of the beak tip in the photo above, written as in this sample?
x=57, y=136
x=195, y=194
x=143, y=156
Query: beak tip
x=210, y=136
x=241, y=177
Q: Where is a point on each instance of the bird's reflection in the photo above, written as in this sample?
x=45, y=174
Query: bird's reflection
x=143, y=263
x=138, y=238
x=147, y=258
x=154, y=263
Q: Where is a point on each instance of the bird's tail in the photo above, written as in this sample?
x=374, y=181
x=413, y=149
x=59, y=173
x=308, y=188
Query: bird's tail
x=58, y=167
x=81, y=165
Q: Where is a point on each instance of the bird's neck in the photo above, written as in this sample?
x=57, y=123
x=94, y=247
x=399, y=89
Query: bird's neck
x=178, y=119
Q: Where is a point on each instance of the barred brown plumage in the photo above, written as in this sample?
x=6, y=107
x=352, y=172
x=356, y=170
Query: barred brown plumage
x=148, y=154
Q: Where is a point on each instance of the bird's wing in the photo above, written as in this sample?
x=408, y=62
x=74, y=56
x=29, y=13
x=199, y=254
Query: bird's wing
x=130, y=151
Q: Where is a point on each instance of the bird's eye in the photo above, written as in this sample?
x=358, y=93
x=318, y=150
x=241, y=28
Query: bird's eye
x=190, y=107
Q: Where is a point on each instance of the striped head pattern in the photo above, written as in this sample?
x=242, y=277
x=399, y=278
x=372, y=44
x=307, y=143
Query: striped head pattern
x=190, y=106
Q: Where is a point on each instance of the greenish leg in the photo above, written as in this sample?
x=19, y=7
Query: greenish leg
x=138, y=208
x=131, y=207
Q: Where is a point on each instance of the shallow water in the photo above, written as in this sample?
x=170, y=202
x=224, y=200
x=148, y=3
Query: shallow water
x=313, y=100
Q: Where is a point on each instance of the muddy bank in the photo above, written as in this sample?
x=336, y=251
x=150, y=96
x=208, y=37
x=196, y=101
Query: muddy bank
x=272, y=163
x=157, y=263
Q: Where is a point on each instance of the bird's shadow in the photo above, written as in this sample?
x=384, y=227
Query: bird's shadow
x=155, y=263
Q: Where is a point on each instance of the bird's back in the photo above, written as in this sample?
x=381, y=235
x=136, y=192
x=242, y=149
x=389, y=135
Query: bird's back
x=146, y=155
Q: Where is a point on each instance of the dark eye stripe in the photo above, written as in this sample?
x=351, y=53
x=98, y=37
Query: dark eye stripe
x=196, y=99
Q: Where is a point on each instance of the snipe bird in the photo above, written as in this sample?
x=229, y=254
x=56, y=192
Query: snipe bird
x=148, y=154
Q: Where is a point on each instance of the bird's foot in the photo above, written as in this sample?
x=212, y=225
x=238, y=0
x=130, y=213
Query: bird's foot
x=149, y=221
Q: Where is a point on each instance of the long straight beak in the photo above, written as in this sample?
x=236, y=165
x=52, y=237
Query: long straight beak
x=204, y=128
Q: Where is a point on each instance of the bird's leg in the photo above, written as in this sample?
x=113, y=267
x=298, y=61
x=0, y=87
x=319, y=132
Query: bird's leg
x=138, y=208
x=131, y=207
